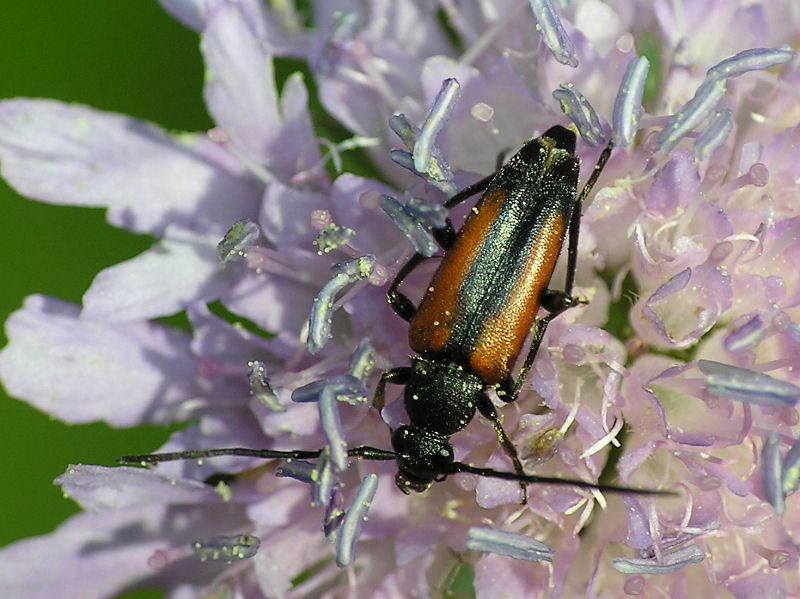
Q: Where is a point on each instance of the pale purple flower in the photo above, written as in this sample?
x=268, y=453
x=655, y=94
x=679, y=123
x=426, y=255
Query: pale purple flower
x=694, y=224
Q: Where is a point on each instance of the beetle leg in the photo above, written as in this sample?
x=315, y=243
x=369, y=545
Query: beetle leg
x=538, y=334
x=400, y=303
x=469, y=191
x=575, y=221
x=396, y=376
x=446, y=236
x=486, y=407
x=558, y=301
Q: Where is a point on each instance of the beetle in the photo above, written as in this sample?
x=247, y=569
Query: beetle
x=472, y=322
x=483, y=301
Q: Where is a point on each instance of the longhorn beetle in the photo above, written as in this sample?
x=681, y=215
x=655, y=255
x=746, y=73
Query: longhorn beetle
x=472, y=322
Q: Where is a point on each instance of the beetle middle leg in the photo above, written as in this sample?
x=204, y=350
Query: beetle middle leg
x=486, y=407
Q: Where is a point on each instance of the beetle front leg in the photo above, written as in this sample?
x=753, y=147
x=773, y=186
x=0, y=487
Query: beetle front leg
x=396, y=376
x=399, y=302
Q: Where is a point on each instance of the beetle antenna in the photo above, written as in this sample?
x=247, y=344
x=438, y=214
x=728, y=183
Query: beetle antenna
x=457, y=467
x=365, y=452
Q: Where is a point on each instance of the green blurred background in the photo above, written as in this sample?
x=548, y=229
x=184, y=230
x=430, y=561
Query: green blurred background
x=124, y=56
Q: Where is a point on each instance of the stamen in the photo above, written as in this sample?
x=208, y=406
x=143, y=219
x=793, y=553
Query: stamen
x=740, y=384
x=334, y=514
x=754, y=59
x=323, y=480
x=405, y=130
x=332, y=237
x=345, y=273
x=403, y=158
x=783, y=323
x=415, y=219
x=691, y=114
x=710, y=92
x=438, y=172
x=334, y=155
x=332, y=428
x=628, y=103
x=745, y=336
x=692, y=554
x=553, y=34
x=242, y=236
x=713, y=135
x=344, y=387
x=439, y=114
x=374, y=69
x=342, y=31
x=300, y=470
x=429, y=213
x=578, y=110
x=667, y=543
x=260, y=387
x=226, y=548
x=362, y=361
x=606, y=439
x=771, y=472
x=479, y=45
x=510, y=544
x=790, y=479
x=353, y=522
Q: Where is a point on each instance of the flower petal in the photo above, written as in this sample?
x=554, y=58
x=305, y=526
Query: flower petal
x=240, y=82
x=84, y=370
x=96, y=556
x=181, y=269
x=99, y=489
x=189, y=12
x=75, y=155
x=81, y=560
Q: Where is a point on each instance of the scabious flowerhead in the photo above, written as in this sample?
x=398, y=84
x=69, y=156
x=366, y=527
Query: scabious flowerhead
x=677, y=372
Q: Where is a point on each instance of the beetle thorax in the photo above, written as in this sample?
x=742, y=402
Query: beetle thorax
x=441, y=396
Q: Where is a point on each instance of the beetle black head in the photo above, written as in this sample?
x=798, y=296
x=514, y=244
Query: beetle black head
x=557, y=141
x=422, y=457
x=564, y=138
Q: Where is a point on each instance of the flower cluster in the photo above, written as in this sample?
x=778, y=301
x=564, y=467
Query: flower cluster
x=676, y=371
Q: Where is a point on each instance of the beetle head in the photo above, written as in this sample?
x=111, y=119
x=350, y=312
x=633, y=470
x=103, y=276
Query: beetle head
x=422, y=457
